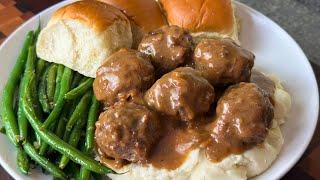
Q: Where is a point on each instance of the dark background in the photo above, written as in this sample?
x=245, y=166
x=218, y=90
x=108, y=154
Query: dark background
x=300, y=18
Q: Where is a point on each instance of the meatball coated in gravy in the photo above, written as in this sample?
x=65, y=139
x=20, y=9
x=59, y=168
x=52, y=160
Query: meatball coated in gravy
x=124, y=74
x=169, y=47
x=127, y=131
x=182, y=93
x=262, y=81
x=222, y=62
x=244, y=115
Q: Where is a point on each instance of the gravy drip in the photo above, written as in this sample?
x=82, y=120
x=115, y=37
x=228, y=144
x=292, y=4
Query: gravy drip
x=243, y=117
x=175, y=146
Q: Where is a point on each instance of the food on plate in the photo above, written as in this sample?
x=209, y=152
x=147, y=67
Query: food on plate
x=127, y=131
x=264, y=82
x=222, y=62
x=123, y=75
x=48, y=127
x=187, y=146
x=183, y=103
x=182, y=93
x=83, y=34
x=244, y=115
x=203, y=18
x=168, y=48
x=145, y=16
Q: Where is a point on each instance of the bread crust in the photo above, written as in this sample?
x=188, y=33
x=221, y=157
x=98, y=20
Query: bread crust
x=92, y=13
x=201, y=15
x=144, y=13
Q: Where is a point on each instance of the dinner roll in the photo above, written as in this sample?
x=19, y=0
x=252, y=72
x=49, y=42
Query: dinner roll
x=145, y=16
x=83, y=34
x=209, y=18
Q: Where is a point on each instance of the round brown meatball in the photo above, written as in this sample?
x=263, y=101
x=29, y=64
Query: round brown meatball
x=182, y=93
x=169, y=47
x=123, y=75
x=244, y=115
x=222, y=62
x=127, y=131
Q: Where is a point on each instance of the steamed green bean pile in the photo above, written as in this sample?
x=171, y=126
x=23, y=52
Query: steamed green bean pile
x=49, y=114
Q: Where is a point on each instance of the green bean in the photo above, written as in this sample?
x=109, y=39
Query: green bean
x=78, y=112
x=80, y=90
x=92, y=118
x=22, y=161
x=43, y=162
x=37, y=32
x=51, y=84
x=43, y=98
x=73, y=141
x=58, y=144
x=76, y=79
x=43, y=149
x=7, y=112
x=44, y=146
x=61, y=125
x=22, y=157
x=84, y=173
x=41, y=66
x=29, y=68
x=89, y=143
x=38, y=141
x=76, y=131
x=63, y=119
x=65, y=86
x=65, y=115
x=58, y=80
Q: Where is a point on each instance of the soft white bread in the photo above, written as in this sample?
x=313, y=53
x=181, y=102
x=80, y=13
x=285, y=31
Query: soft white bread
x=83, y=34
x=145, y=16
x=203, y=18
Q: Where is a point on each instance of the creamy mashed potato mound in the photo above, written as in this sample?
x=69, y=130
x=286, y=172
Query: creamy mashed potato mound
x=241, y=166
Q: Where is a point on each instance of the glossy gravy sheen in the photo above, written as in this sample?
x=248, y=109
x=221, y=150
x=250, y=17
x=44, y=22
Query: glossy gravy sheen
x=219, y=135
x=173, y=149
x=175, y=146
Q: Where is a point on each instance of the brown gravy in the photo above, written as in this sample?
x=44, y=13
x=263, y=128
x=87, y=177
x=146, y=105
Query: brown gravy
x=175, y=146
x=219, y=134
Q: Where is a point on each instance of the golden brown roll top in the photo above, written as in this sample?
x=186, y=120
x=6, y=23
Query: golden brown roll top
x=204, y=18
x=83, y=34
x=145, y=16
x=94, y=14
x=145, y=13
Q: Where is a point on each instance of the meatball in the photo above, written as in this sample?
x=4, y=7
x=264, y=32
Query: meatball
x=244, y=115
x=222, y=62
x=124, y=74
x=181, y=93
x=169, y=47
x=264, y=82
x=127, y=131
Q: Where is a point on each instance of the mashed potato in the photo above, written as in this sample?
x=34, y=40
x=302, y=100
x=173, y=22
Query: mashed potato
x=242, y=166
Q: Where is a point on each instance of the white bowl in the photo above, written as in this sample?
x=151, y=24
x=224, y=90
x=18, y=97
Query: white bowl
x=276, y=53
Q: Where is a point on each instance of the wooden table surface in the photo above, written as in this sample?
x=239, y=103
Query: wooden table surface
x=14, y=12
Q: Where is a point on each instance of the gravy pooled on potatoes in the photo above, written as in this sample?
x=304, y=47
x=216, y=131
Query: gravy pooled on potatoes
x=163, y=124
x=244, y=114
